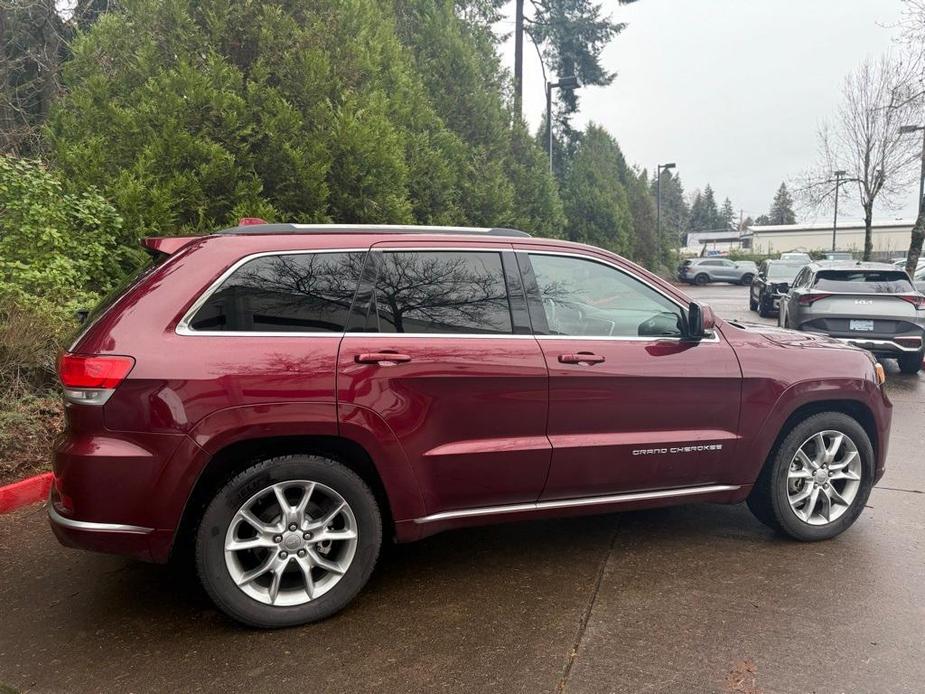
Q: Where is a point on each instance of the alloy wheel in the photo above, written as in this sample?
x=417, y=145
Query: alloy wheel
x=290, y=543
x=824, y=477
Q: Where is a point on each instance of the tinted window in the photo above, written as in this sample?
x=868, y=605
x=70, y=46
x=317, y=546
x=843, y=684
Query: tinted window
x=305, y=292
x=441, y=292
x=712, y=263
x=863, y=281
x=583, y=297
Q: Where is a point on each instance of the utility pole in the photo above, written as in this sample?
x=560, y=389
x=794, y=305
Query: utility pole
x=838, y=177
x=519, y=59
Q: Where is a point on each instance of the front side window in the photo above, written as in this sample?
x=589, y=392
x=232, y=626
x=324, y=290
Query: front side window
x=461, y=292
x=303, y=292
x=586, y=298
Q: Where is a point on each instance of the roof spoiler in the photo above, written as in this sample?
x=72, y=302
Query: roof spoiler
x=160, y=247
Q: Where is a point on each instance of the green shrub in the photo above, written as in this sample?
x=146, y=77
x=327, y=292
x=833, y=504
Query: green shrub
x=58, y=250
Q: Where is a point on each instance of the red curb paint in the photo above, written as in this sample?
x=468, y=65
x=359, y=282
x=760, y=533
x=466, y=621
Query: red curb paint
x=28, y=491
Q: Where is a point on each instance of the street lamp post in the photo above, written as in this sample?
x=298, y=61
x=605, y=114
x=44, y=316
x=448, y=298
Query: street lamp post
x=564, y=83
x=658, y=206
x=838, y=177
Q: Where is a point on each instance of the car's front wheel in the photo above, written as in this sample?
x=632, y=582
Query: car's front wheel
x=911, y=363
x=288, y=541
x=764, y=310
x=816, y=484
x=752, y=304
x=746, y=279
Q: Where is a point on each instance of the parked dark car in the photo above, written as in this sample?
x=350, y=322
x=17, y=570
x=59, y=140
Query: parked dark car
x=283, y=398
x=702, y=271
x=770, y=284
x=869, y=305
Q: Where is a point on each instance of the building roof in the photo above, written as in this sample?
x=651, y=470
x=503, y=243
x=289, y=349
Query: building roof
x=823, y=226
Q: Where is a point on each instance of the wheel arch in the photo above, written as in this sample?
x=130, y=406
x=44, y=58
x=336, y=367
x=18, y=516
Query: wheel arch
x=856, y=409
x=236, y=456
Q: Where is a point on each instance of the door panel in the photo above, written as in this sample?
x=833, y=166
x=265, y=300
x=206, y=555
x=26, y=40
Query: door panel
x=632, y=406
x=466, y=393
x=653, y=414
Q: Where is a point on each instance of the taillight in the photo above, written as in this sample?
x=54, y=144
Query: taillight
x=916, y=300
x=810, y=299
x=91, y=379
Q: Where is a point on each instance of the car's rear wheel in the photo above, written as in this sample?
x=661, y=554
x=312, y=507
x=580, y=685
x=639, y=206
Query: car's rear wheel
x=816, y=484
x=701, y=279
x=911, y=363
x=288, y=541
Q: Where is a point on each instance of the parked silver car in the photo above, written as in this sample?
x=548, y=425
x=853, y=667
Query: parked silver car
x=870, y=305
x=703, y=270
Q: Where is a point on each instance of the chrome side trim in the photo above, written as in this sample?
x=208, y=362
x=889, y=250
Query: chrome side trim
x=573, y=503
x=87, y=526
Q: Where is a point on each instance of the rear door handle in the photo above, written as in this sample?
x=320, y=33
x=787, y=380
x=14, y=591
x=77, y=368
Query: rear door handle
x=581, y=358
x=382, y=358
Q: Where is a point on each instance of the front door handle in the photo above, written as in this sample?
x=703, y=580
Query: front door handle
x=382, y=358
x=581, y=358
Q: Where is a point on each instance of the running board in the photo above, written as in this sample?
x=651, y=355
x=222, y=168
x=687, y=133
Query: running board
x=574, y=503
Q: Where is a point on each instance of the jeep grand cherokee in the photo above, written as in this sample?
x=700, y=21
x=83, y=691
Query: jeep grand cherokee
x=283, y=398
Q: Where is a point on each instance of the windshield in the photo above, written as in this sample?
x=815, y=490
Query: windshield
x=863, y=281
x=783, y=272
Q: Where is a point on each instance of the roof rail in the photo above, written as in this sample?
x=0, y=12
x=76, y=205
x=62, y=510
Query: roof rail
x=265, y=229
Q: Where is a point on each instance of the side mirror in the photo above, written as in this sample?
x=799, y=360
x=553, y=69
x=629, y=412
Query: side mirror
x=700, y=320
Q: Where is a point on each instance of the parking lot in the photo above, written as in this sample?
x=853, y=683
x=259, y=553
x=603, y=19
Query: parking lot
x=695, y=598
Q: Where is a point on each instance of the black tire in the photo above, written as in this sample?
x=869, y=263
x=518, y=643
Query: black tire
x=701, y=279
x=747, y=280
x=768, y=500
x=752, y=304
x=210, y=540
x=763, y=310
x=911, y=363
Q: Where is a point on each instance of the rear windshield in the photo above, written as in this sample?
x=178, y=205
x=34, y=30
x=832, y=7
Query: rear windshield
x=783, y=272
x=864, y=281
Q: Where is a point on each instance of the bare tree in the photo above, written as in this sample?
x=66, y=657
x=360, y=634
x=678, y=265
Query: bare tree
x=912, y=37
x=864, y=139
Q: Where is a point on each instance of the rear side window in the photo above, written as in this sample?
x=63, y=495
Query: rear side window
x=441, y=292
x=299, y=292
x=863, y=281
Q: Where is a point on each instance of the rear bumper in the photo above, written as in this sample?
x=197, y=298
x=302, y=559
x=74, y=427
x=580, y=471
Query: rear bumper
x=881, y=346
x=109, y=538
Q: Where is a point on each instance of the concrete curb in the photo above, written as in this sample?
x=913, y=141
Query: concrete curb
x=28, y=491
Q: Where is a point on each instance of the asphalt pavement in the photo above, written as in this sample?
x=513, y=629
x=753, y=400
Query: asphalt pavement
x=698, y=598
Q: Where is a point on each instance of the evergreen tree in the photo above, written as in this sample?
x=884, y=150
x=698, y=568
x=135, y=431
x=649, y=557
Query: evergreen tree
x=593, y=195
x=704, y=214
x=727, y=215
x=763, y=220
x=675, y=213
x=573, y=34
x=189, y=114
x=782, y=207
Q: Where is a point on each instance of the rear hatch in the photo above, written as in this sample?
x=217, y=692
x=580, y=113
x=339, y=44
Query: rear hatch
x=863, y=302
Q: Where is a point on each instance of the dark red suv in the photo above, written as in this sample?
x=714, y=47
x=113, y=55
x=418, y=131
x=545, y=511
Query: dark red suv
x=284, y=396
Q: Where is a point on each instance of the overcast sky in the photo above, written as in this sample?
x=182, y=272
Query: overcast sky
x=731, y=90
